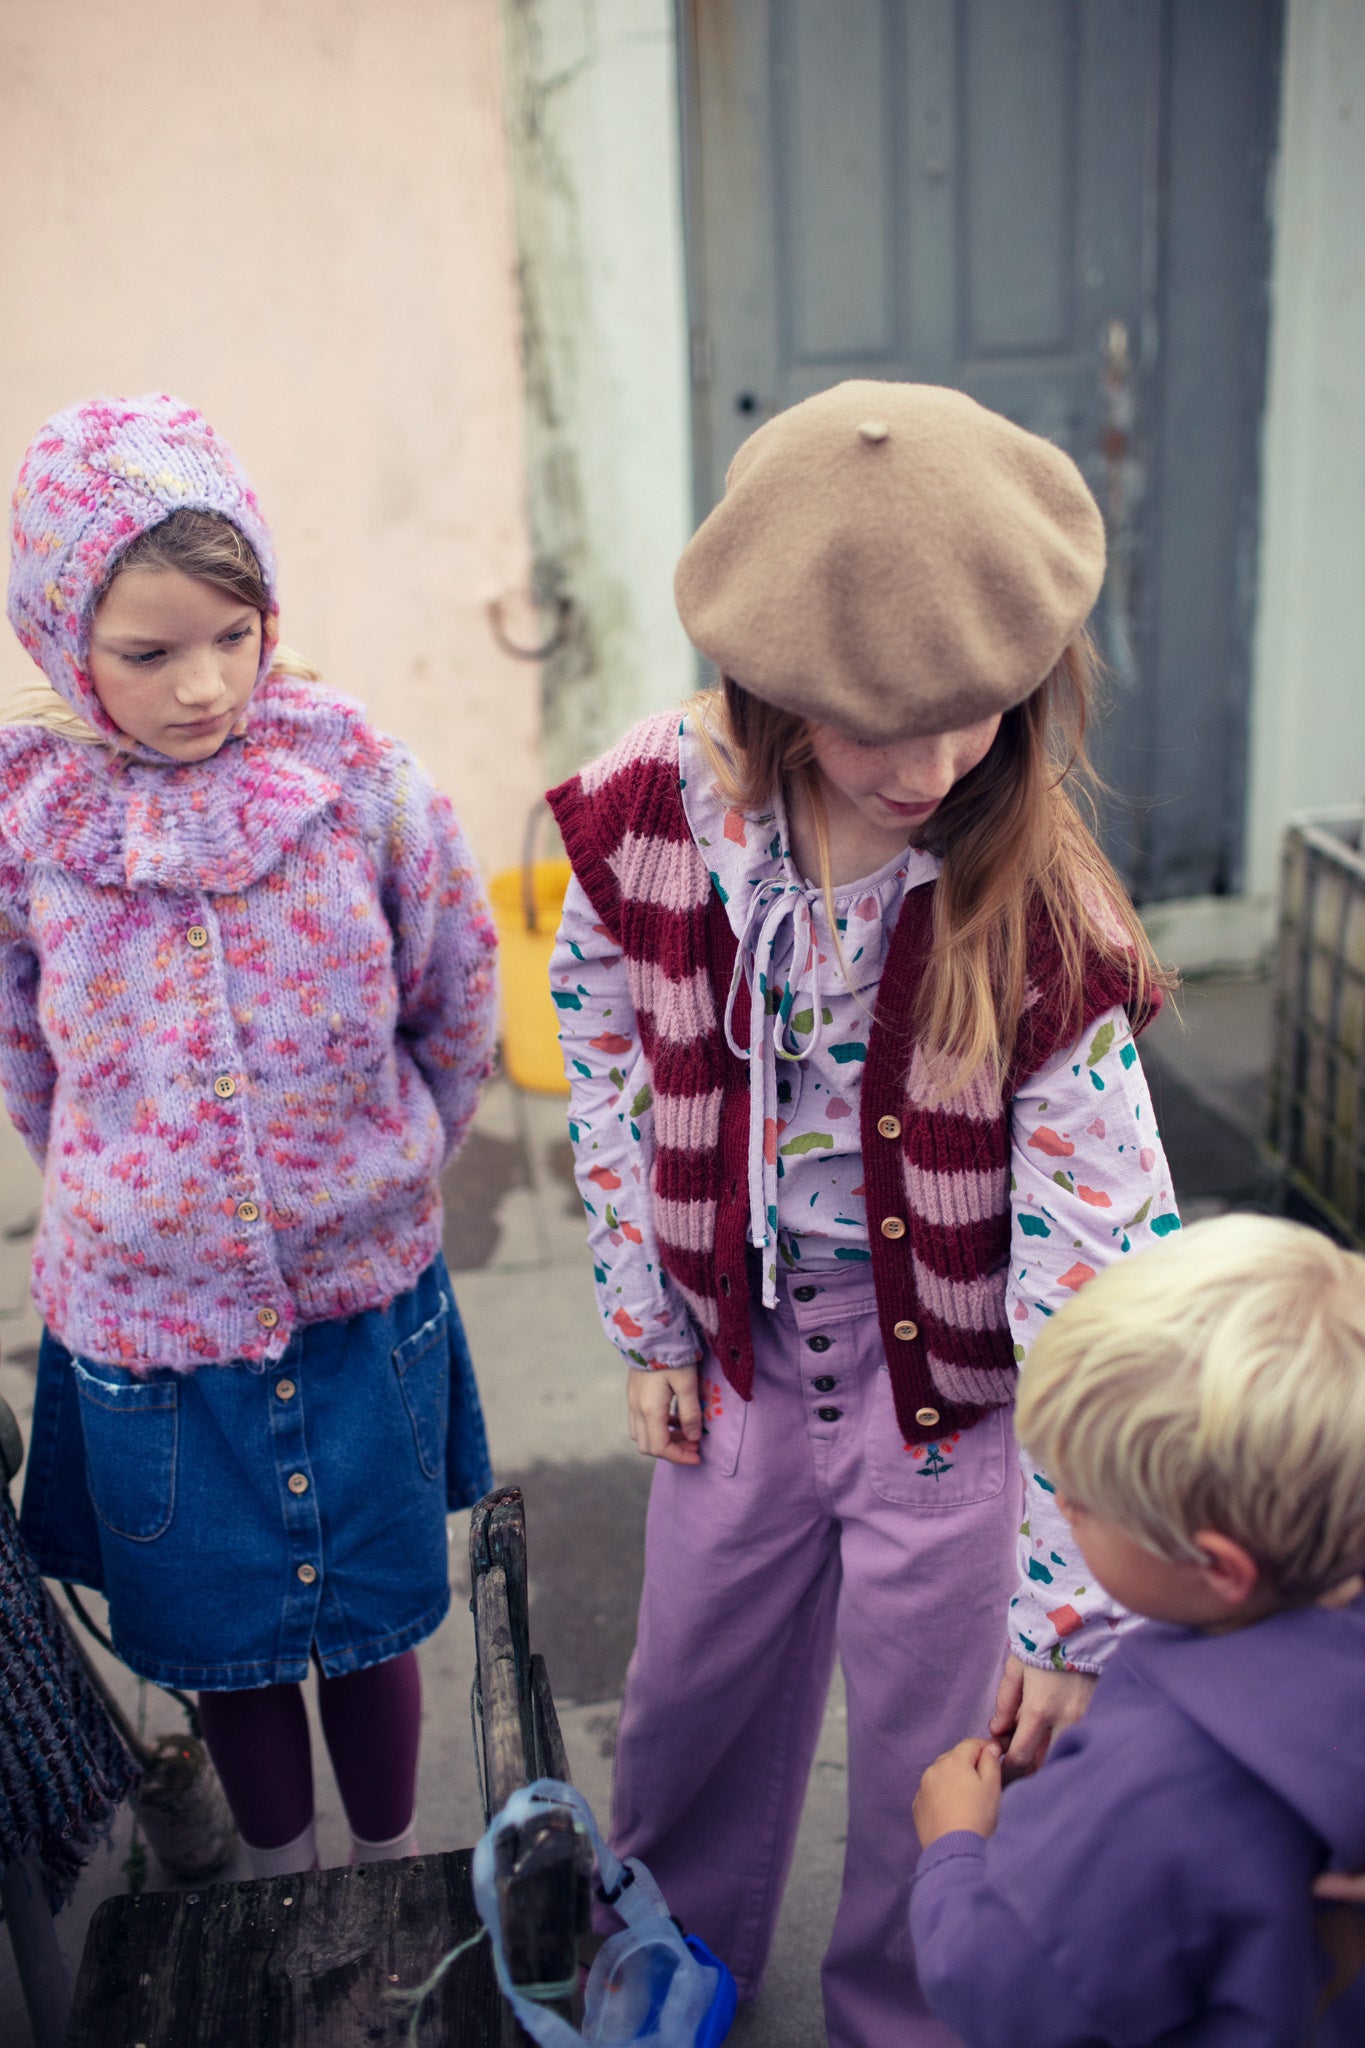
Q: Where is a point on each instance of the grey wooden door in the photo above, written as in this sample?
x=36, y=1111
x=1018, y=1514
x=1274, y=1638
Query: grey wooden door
x=1060, y=207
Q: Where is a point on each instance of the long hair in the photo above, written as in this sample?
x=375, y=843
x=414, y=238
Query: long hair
x=199, y=544
x=1015, y=839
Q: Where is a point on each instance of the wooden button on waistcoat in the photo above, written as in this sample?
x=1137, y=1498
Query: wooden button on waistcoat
x=247, y=1212
x=907, y=1332
x=267, y=1317
x=926, y=1417
x=197, y=936
x=224, y=1086
x=893, y=1226
x=889, y=1126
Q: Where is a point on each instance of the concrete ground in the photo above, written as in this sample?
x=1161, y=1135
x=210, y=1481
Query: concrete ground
x=554, y=1399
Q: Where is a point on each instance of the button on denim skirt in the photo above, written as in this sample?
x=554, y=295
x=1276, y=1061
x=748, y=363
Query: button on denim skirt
x=242, y=1521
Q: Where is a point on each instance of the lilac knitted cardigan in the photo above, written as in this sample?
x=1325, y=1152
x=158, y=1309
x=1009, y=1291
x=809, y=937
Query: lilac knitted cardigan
x=246, y=1004
x=246, y=1009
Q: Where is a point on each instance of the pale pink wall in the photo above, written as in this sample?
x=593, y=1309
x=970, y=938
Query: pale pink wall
x=295, y=213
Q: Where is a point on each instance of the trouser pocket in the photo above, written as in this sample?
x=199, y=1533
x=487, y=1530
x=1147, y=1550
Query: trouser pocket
x=960, y=1469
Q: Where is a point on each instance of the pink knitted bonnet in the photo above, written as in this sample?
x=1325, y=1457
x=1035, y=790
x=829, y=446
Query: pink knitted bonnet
x=94, y=478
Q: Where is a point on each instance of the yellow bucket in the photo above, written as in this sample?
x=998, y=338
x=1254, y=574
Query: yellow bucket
x=527, y=902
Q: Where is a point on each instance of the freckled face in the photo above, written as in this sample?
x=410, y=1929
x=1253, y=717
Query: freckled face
x=897, y=786
x=174, y=660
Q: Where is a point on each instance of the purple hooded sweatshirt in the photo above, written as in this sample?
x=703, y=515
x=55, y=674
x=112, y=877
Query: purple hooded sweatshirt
x=1152, y=1883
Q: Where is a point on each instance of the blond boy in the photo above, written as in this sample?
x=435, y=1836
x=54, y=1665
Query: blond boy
x=1202, y=1413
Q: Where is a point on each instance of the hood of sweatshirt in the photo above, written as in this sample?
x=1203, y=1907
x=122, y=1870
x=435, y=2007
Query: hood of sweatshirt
x=1286, y=1698
x=94, y=478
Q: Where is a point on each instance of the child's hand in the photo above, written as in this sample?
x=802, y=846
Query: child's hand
x=960, y=1790
x=1032, y=1706
x=665, y=1414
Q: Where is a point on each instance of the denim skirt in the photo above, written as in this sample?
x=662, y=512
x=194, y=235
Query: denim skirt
x=243, y=1520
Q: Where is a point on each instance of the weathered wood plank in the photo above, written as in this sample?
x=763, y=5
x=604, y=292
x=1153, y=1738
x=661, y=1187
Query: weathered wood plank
x=542, y=1877
x=543, y=1867
x=296, y=1962
x=551, y=1757
x=497, y=1537
x=505, y=1757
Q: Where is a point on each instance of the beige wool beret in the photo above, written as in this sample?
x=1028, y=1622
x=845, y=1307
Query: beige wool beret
x=893, y=559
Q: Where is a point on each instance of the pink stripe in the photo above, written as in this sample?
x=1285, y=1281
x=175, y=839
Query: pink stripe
x=963, y=1304
x=669, y=873
x=687, y=1123
x=682, y=1010
x=691, y=1226
x=704, y=1311
x=961, y=1197
x=979, y=1100
x=971, y=1383
x=654, y=739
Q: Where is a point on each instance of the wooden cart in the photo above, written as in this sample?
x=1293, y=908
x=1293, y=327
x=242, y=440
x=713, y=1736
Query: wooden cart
x=314, y=1961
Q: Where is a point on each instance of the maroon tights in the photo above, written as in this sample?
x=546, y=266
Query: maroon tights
x=372, y=1722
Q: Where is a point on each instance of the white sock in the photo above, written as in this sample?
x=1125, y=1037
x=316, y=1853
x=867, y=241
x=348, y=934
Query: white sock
x=289, y=1859
x=385, y=1852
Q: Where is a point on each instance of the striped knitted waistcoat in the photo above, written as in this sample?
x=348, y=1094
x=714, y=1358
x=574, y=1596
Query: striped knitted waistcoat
x=937, y=1179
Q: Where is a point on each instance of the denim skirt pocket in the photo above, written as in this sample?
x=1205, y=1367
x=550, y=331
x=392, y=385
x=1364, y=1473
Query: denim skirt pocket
x=422, y=1363
x=131, y=1429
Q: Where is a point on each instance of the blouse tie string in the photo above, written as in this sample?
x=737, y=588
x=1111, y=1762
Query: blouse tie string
x=778, y=918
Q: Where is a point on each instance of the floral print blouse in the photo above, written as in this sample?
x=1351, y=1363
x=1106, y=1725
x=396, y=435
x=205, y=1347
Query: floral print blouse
x=1089, y=1179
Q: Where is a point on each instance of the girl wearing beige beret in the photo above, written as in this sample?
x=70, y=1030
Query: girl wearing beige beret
x=848, y=995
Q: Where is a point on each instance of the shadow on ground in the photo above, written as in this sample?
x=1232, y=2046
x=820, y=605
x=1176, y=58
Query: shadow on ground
x=1211, y=1160
x=585, y=1554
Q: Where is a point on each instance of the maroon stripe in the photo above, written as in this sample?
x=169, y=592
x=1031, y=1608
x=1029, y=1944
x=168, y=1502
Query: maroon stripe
x=691, y=1269
x=652, y=934
x=578, y=829
x=944, y=1141
x=992, y=1348
x=962, y=1251
x=686, y=1176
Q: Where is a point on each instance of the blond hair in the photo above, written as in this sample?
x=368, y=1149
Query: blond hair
x=1014, y=837
x=1215, y=1382
x=199, y=544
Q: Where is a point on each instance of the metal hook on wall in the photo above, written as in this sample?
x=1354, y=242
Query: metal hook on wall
x=559, y=634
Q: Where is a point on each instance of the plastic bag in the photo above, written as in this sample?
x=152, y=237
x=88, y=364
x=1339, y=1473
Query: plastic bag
x=650, y=1986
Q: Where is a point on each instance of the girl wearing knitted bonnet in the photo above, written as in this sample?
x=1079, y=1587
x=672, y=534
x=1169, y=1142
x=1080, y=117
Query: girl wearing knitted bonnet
x=848, y=997
x=245, y=1014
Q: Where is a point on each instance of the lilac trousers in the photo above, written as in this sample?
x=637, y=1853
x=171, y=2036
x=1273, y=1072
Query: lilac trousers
x=809, y=1528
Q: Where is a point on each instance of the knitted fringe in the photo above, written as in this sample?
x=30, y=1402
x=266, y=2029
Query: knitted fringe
x=64, y=1773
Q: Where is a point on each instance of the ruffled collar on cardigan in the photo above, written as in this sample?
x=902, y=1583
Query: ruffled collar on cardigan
x=216, y=825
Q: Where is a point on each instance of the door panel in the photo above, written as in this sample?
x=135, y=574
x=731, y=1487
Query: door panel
x=837, y=193
x=1059, y=207
x=1016, y=205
